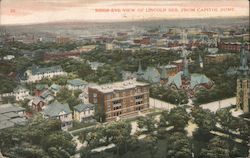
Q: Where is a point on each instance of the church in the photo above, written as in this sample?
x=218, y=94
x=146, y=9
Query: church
x=243, y=83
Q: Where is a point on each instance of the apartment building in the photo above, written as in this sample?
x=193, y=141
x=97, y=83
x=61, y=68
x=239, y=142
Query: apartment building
x=120, y=98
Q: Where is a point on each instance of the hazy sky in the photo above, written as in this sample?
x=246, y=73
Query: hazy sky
x=41, y=11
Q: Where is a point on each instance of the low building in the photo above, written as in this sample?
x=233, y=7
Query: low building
x=19, y=93
x=40, y=88
x=120, y=98
x=84, y=112
x=76, y=84
x=8, y=57
x=216, y=58
x=55, y=88
x=59, y=111
x=11, y=115
x=36, y=73
x=47, y=96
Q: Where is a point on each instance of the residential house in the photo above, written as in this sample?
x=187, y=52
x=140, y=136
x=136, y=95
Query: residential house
x=59, y=111
x=36, y=73
x=40, y=88
x=55, y=88
x=84, y=112
x=47, y=96
x=76, y=84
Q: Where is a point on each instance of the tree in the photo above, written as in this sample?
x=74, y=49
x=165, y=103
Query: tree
x=205, y=120
x=151, y=145
x=177, y=117
x=178, y=146
x=217, y=148
x=40, y=138
x=225, y=119
x=147, y=123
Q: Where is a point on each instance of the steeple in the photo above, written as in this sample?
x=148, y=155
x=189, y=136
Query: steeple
x=243, y=69
x=139, y=72
x=186, y=71
x=163, y=73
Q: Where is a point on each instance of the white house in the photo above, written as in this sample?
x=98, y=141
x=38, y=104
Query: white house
x=8, y=57
x=19, y=93
x=84, y=112
x=59, y=111
x=36, y=73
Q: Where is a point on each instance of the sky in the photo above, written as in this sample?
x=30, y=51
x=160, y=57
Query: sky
x=43, y=11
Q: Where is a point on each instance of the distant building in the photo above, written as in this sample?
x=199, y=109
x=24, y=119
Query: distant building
x=40, y=88
x=120, y=98
x=234, y=47
x=11, y=115
x=8, y=57
x=95, y=65
x=55, y=88
x=36, y=73
x=19, y=93
x=243, y=83
x=76, y=84
x=62, y=40
x=84, y=112
x=216, y=58
x=59, y=111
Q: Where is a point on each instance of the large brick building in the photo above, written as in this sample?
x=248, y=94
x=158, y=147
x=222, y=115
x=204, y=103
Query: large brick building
x=120, y=98
x=234, y=47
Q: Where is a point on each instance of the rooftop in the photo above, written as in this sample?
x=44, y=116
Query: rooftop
x=84, y=107
x=37, y=70
x=6, y=108
x=128, y=84
x=76, y=82
x=56, y=108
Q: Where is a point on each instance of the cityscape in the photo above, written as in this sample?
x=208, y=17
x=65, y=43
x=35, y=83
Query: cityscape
x=140, y=88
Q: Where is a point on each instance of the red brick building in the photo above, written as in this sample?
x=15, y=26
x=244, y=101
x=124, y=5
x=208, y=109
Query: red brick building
x=230, y=46
x=120, y=98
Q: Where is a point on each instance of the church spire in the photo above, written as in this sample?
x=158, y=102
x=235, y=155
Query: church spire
x=139, y=72
x=186, y=71
x=243, y=69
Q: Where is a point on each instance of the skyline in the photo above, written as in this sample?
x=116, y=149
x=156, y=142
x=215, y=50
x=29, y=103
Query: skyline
x=47, y=11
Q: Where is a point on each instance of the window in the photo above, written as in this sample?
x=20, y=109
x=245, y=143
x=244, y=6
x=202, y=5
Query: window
x=139, y=97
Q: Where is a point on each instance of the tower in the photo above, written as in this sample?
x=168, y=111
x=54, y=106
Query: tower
x=186, y=71
x=139, y=71
x=243, y=83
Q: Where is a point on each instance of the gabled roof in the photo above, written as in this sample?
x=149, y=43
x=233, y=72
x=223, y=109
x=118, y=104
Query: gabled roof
x=54, y=109
x=176, y=80
x=45, y=94
x=151, y=74
x=55, y=87
x=84, y=107
x=37, y=100
x=197, y=79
